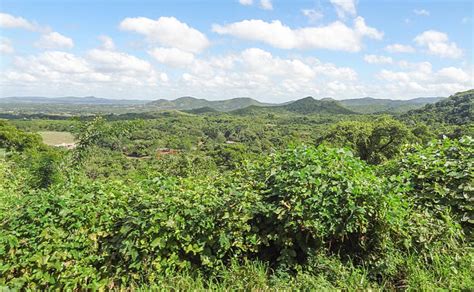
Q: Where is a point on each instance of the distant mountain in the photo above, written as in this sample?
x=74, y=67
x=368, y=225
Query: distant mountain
x=189, y=103
x=71, y=100
x=458, y=109
x=369, y=105
x=307, y=105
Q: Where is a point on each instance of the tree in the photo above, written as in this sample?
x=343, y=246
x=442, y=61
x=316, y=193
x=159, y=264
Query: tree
x=374, y=142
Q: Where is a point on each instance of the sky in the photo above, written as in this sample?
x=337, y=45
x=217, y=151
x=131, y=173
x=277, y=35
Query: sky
x=270, y=50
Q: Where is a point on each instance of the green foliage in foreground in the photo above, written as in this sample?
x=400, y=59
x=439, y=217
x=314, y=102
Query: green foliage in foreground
x=304, y=218
x=442, y=177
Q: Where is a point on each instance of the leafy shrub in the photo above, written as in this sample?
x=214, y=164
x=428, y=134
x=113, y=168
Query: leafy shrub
x=302, y=210
x=374, y=142
x=324, y=198
x=98, y=234
x=14, y=139
x=441, y=177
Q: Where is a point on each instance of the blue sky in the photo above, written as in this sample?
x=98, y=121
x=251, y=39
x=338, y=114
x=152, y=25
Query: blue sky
x=267, y=49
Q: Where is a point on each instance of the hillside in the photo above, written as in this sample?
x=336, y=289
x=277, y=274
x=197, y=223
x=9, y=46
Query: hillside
x=309, y=105
x=304, y=106
x=455, y=110
x=369, y=105
x=189, y=103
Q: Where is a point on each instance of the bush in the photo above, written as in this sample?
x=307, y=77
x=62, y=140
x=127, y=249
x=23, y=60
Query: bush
x=441, y=177
x=310, y=211
x=323, y=198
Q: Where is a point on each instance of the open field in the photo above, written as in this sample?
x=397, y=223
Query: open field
x=55, y=137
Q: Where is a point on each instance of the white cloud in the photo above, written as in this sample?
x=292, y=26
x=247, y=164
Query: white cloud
x=110, y=61
x=375, y=59
x=10, y=21
x=344, y=7
x=335, y=36
x=421, y=12
x=454, y=74
x=52, y=63
x=172, y=56
x=167, y=31
x=256, y=72
x=101, y=70
x=437, y=43
x=107, y=43
x=246, y=2
x=419, y=79
x=399, y=48
x=54, y=40
x=6, y=46
x=266, y=4
x=313, y=15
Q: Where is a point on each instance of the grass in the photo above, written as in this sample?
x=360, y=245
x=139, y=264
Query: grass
x=55, y=138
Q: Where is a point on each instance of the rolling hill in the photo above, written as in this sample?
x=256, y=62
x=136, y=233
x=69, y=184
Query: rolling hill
x=241, y=105
x=305, y=106
x=368, y=105
x=189, y=103
x=458, y=109
x=309, y=105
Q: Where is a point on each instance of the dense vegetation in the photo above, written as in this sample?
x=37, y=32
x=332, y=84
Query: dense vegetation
x=265, y=199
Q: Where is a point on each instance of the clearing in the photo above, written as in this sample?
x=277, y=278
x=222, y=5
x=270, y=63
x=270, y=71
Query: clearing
x=55, y=138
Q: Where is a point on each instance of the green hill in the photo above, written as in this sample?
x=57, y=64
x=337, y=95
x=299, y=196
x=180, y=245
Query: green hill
x=455, y=110
x=305, y=106
x=189, y=103
x=309, y=105
x=368, y=105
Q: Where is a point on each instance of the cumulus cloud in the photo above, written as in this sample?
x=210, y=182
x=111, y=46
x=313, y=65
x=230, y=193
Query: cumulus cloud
x=335, y=36
x=107, y=43
x=420, y=79
x=110, y=61
x=421, y=12
x=172, y=56
x=313, y=15
x=246, y=2
x=454, y=74
x=54, y=40
x=257, y=72
x=167, y=31
x=399, y=48
x=266, y=4
x=437, y=43
x=6, y=46
x=375, y=59
x=10, y=21
x=344, y=7
x=97, y=70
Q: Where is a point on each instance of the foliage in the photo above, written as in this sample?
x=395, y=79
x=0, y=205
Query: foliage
x=323, y=198
x=182, y=201
x=442, y=176
x=374, y=142
x=284, y=211
x=16, y=140
x=455, y=110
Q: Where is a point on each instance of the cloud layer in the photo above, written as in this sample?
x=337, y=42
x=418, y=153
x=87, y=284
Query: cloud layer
x=267, y=59
x=335, y=36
